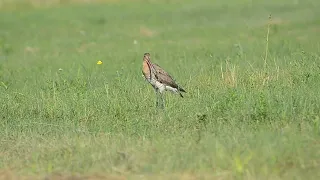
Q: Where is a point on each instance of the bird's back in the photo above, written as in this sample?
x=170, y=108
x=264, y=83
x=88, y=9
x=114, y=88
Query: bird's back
x=165, y=78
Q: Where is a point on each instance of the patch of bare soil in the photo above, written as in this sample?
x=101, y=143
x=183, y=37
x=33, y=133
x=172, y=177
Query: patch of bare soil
x=146, y=31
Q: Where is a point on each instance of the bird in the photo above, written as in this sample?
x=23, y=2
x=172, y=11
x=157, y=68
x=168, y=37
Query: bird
x=160, y=80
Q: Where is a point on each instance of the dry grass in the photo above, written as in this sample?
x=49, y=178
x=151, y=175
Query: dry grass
x=228, y=74
x=144, y=31
x=9, y=175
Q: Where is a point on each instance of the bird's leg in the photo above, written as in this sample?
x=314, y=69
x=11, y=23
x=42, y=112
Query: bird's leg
x=157, y=96
x=162, y=101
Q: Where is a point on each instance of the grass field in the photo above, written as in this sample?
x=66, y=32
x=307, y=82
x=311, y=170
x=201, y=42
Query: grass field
x=252, y=108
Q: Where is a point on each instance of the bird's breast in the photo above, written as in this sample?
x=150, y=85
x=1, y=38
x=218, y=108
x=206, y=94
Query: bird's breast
x=145, y=70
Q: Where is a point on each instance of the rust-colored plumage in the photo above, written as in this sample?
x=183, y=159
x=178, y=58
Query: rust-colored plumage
x=159, y=79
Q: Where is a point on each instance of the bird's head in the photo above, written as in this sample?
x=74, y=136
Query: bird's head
x=146, y=57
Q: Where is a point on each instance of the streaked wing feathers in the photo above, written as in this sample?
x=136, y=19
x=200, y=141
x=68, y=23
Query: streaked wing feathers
x=165, y=78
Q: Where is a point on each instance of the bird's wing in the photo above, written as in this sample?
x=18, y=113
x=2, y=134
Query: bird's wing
x=164, y=77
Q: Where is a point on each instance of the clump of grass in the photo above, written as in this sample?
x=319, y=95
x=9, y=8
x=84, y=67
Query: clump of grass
x=267, y=43
x=228, y=74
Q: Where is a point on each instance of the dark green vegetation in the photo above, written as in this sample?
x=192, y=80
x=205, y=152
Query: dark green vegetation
x=241, y=118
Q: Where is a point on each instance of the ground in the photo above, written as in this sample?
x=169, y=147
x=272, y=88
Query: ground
x=251, y=110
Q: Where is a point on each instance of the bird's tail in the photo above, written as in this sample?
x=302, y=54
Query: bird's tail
x=181, y=89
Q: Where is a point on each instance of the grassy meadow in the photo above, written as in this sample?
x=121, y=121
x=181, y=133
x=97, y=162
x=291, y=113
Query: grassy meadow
x=251, y=111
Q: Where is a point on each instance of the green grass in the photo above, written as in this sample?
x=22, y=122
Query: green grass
x=238, y=120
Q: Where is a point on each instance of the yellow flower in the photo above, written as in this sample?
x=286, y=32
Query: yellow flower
x=99, y=62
